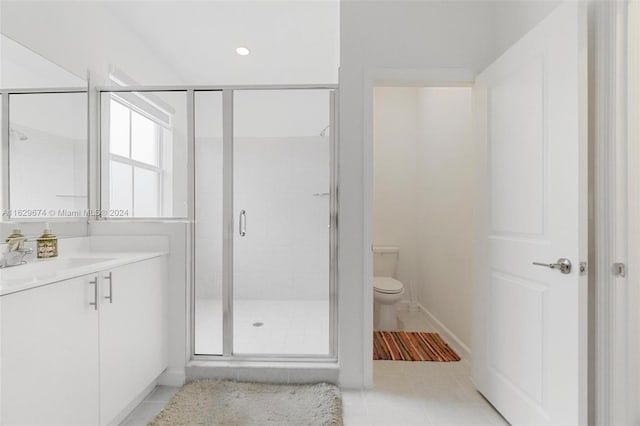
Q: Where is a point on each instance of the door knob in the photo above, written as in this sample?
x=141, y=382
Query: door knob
x=563, y=264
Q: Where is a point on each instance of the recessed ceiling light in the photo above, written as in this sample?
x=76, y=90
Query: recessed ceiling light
x=242, y=51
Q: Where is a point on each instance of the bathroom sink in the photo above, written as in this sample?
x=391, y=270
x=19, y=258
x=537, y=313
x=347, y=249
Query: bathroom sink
x=7, y=276
x=76, y=262
x=13, y=275
x=36, y=270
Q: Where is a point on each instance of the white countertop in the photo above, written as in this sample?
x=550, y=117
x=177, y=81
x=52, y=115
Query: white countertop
x=38, y=272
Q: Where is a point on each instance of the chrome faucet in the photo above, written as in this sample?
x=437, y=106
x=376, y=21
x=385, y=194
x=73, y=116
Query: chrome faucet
x=14, y=253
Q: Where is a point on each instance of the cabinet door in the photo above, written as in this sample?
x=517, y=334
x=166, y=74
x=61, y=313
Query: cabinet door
x=133, y=328
x=50, y=355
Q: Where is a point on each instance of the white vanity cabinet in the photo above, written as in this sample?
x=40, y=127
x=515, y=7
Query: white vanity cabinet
x=133, y=330
x=50, y=355
x=67, y=362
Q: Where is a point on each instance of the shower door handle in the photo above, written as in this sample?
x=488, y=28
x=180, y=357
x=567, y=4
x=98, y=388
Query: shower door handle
x=242, y=228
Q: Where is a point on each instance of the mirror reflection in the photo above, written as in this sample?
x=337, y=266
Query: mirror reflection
x=48, y=155
x=43, y=137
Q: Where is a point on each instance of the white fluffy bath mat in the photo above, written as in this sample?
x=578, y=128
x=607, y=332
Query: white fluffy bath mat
x=213, y=402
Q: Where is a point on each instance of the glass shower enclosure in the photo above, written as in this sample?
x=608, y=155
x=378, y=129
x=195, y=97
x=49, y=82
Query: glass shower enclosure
x=264, y=234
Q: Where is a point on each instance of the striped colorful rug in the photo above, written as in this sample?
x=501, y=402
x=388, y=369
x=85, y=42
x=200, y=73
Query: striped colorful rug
x=411, y=346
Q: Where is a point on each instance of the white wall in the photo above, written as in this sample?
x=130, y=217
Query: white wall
x=405, y=38
x=395, y=178
x=23, y=68
x=446, y=201
x=512, y=19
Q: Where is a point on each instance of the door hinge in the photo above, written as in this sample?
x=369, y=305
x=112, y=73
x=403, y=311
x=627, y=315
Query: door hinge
x=619, y=269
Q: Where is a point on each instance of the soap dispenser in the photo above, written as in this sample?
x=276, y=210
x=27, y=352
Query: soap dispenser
x=47, y=244
x=16, y=239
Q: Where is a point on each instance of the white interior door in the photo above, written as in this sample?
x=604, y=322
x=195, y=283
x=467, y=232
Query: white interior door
x=530, y=340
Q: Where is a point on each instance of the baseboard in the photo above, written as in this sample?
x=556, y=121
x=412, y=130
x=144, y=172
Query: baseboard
x=462, y=349
x=133, y=404
x=175, y=377
x=408, y=305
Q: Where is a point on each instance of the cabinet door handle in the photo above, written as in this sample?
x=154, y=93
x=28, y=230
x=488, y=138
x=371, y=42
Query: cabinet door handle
x=94, y=281
x=110, y=296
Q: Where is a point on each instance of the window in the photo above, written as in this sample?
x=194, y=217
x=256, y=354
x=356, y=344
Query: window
x=135, y=163
x=144, y=159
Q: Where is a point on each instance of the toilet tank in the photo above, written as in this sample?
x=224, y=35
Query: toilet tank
x=385, y=260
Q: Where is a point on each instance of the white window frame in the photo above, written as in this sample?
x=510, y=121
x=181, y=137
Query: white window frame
x=108, y=157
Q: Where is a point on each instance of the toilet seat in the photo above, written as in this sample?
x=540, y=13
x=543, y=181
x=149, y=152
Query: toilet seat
x=387, y=285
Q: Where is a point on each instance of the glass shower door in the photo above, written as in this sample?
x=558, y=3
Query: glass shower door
x=281, y=244
x=208, y=294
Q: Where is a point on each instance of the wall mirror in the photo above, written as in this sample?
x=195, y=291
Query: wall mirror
x=44, y=137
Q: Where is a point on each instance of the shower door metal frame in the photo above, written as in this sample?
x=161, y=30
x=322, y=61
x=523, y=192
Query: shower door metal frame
x=229, y=221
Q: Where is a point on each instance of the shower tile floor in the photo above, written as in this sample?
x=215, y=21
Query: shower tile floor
x=292, y=327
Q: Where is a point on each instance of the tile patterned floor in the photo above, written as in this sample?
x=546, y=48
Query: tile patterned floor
x=404, y=394
x=288, y=326
x=419, y=393
x=150, y=407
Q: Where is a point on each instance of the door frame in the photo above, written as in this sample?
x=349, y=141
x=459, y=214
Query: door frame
x=633, y=232
x=616, y=214
x=400, y=77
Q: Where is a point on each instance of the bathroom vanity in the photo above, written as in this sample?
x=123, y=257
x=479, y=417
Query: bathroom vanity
x=83, y=337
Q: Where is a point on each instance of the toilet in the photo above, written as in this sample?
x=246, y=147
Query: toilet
x=387, y=291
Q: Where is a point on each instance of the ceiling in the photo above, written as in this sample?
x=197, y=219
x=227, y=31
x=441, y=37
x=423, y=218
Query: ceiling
x=290, y=41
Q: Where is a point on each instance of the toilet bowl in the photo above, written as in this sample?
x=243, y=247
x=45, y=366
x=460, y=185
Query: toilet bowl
x=387, y=292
